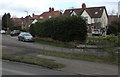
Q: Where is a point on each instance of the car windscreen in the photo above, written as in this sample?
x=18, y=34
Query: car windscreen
x=27, y=35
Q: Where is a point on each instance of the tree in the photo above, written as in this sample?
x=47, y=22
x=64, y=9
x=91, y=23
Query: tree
x=7, y=21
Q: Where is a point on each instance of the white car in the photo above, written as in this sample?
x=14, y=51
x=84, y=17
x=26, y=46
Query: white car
x=2, y=32
x=96, y=32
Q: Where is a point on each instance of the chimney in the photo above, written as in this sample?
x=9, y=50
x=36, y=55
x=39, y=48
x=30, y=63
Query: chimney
x=33, y=15
x=50, y=9
x=84, y=6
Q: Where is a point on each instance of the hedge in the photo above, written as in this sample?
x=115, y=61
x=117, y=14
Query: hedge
x=67, y=28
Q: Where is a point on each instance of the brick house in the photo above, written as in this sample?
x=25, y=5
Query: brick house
x=23, y=22
x=50, y=14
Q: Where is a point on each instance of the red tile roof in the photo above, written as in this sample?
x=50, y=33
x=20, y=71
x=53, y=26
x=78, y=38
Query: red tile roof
x=36, y=17
x=52, y=14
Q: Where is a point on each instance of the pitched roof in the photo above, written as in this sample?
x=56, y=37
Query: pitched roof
x=94, y=12
x=78, y=11
x=48, y=14
x=17, y=20
x=35, y=17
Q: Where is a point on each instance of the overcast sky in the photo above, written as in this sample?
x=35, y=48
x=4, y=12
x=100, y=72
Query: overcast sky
x=17, y=8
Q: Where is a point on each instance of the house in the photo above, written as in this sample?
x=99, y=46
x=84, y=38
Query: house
x=96, y=17
x=23, y=22
x=50, y=14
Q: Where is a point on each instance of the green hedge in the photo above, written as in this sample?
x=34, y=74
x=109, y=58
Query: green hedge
x=68, y=28
x=114, y=28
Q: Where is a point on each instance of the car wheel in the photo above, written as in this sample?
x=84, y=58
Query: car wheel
x=18, y=39
x=23, y=40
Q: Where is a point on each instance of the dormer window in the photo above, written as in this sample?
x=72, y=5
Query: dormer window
x=96, y=12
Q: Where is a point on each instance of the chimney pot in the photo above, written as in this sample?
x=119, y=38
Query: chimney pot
x=33, y=14
x=83, y=5
x=50, y=9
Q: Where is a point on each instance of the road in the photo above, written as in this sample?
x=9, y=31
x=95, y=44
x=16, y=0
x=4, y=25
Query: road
x=13, y=42
x=11, y=46
x=14, y=68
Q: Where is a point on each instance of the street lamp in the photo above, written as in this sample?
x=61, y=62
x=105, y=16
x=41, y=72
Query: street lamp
x=26, y=20
x=26, y=12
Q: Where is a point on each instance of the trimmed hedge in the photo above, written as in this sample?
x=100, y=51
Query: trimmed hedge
x=67, y=28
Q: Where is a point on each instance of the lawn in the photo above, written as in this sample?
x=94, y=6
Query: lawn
x=31, y=60
x=86, y=57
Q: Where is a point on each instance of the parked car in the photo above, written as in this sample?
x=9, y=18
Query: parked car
x=96, y=32
x=15, y=33
x=2, y=31
x=24, y=36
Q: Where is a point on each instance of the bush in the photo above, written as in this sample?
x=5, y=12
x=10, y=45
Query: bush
x=68, y=28
x=114, y=28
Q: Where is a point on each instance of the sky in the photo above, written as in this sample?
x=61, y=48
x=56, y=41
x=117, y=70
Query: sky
x=18, y=8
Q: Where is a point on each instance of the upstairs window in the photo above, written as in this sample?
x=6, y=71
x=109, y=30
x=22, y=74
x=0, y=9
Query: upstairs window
x=86, y=19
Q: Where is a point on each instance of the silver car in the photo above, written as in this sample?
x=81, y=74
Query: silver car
x=24, y=36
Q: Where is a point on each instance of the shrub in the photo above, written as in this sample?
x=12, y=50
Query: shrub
x=114, y=28
x=68, y=28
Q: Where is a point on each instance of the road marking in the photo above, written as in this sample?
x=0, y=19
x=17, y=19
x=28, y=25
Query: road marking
x=17, y=72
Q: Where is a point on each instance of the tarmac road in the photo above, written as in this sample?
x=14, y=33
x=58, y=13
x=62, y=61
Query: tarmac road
x=11, y=46
x=14, y=68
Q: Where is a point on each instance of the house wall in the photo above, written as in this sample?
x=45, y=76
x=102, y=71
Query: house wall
x=73, y=13
x=85, y=14
x=104, y=19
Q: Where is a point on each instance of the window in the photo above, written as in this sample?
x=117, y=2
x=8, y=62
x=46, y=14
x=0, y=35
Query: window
x=50, y=16
x=87, y=27
x=96, y=12
x=41, y=17
x=86, y=19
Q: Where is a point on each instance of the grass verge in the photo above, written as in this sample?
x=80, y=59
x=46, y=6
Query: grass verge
x=35, y=61
x=65, y=45
x=86, y=57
